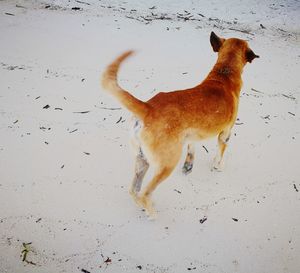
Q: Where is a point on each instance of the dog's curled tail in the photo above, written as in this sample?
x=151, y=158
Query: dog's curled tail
x=110, y=83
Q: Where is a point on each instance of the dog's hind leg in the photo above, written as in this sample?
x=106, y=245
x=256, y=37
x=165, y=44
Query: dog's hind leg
x=223, y=139
x=167, y=159
x=141, y=167
x=141, y=163
x=189, y=161
x=144, y=200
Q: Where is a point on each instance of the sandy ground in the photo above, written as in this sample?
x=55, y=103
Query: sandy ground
x=65, y=158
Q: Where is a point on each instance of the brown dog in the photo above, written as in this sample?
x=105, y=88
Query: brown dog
x=165, y=122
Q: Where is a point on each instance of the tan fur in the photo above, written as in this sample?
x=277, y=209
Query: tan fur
x=168, y=120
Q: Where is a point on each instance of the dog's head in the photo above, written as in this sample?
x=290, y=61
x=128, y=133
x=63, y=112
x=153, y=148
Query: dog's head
x=235, y=45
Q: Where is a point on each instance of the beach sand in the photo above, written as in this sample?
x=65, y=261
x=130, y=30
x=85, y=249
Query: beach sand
x=65, y=156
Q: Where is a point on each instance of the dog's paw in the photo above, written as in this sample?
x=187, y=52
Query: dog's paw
x=152, y=216
x=132, y=193
x=217, y=166
x=216, y=169
x=187, y=168
x=146, y=204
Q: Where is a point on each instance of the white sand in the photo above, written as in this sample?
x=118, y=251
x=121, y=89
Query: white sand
x=64, y=175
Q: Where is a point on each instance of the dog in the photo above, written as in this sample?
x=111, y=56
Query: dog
x=163, y=124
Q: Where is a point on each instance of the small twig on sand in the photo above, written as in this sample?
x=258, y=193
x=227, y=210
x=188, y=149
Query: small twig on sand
x=205, y=148
x=73, y=131
x=266, y=117
x=25, y=252
x=242, y=30
x=81, y=2
x=289, y=97
x=19, y=6
x=203, y=220
x=119, y=120
x=257, y=91
x=262, y=26
x=110, y=108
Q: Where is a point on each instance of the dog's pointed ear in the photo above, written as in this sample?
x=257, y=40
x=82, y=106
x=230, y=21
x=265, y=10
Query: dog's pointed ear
x=216, y=42
x=250, y=55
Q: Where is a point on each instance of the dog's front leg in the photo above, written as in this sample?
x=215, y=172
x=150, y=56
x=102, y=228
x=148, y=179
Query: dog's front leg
x=223, y=139
x=189, y=161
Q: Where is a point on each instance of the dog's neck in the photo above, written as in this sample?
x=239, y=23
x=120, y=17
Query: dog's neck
x=228, y=72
